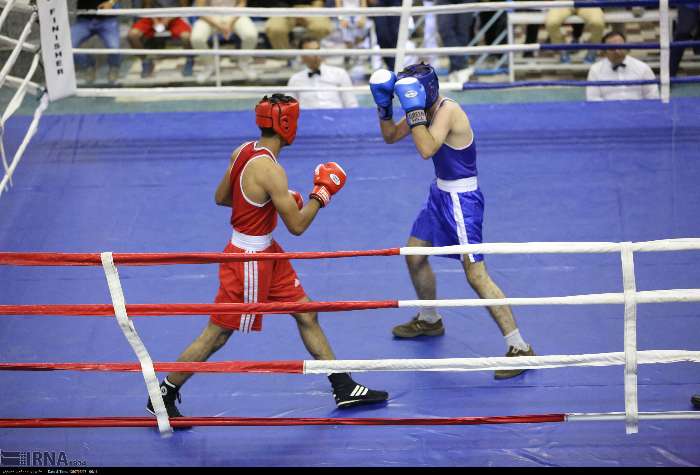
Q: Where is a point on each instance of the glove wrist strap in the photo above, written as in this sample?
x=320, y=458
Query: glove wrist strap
x=417, y=117
x=385, y=113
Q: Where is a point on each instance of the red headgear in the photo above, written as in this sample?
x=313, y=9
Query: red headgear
x=279, y=113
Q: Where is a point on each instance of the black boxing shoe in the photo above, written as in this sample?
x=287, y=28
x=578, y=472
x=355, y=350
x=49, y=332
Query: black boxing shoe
x=696, y=401
x=348, y=393
x=170, y=393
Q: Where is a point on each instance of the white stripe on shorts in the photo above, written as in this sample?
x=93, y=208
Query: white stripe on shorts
x=250, y=292
x=459, y=220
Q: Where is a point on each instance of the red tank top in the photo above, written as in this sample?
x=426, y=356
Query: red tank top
x=248, y=217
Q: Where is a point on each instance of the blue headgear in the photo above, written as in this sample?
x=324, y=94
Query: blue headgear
x=427, y=77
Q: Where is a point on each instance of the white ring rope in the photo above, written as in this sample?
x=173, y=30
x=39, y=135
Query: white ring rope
x=12, y=107
x=329, y=12
x=16, y=100
x=662, y=245
x=648, y=296
x=499, y=362
x=28, y=47
x=33, y=88
x=17, y=6
x=7, y=8
x=620, y=416
x=43, y=104
x=12, y=59
x=264, y=53
x=224, y=91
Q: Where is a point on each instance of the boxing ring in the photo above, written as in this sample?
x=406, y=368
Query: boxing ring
x=595, y=203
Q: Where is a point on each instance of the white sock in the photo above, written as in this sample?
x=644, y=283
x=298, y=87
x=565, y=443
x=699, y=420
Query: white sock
x=428, y=314
x=515, y=340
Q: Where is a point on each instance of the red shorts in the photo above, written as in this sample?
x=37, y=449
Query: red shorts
x=255, y=281
x=176, y=27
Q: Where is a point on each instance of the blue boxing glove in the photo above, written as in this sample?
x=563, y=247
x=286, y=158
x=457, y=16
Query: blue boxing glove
x=412, y=96
x=381, y=83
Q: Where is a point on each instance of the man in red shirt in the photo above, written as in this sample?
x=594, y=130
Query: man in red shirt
x=255, y=187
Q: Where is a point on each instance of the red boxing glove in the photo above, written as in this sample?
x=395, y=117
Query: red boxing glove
x=297, y=197
x=329, y=178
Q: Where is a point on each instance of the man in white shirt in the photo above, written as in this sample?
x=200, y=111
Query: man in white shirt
x=318, y=75
x=617, y=66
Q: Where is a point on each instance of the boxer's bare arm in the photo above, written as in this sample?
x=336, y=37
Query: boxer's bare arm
x=393, y=132
x=429, y=139
x=272, y=178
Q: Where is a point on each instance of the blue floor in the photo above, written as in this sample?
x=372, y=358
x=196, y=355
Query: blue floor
x=550, y=172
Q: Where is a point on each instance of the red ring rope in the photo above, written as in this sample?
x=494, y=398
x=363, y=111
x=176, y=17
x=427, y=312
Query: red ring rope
x=274, y=421
x=291, y=366
x=150, y=310
x=143, y=259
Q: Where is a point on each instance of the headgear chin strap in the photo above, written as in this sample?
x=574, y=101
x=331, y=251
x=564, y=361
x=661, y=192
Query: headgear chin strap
x=279, y=113
x=427, y=77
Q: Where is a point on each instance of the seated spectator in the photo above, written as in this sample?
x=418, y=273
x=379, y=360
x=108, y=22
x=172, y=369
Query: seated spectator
x=687, y=23
x=106, y=27
x=225, y=27
x=616, y=66
x=593, y=19
x=278, y=28
x=146, y=28
x=355, y=31
x=319, y=75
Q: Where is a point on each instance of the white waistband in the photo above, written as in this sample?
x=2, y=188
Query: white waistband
x=251, y=243
x=458, y=186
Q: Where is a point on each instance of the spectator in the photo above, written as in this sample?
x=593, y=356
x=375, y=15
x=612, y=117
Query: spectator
x=279, y=28
x=354, y=29
x=456, y=30
x=355, y=32
x=497, y=29
x=225, y=27
x=106, y=27
x=532, y=31
x=593, y=19
x=617, y=66
x=319, y=75
x=431, y=36
x=687, y=21
x=387, y=28
x=146, y=28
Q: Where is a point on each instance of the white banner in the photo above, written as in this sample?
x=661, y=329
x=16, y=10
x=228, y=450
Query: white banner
x=56, y=48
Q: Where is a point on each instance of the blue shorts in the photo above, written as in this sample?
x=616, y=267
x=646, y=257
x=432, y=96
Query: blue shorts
x=451, y=218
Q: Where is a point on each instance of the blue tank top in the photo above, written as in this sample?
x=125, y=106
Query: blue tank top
x=453, y=164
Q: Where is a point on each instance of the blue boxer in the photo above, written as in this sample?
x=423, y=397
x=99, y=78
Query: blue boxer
x=454, y=211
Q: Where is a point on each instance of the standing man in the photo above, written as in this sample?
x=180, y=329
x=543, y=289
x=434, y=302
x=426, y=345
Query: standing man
x=454, y=211
x=317, y=75
x=616, y=65
x=255, y=187
x=456, y=30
